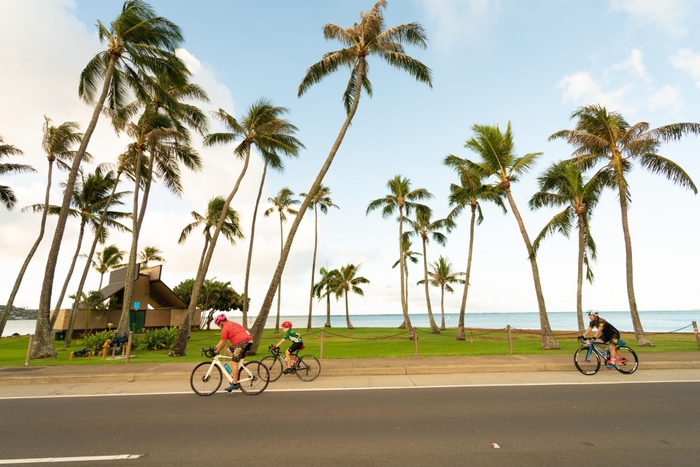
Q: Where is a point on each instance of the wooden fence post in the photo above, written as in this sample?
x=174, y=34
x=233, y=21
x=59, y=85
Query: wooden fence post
x=415, y=342
x=29, y=350
x=128, y=346
x=321, y=356
x=697, y=336
x=510, y=341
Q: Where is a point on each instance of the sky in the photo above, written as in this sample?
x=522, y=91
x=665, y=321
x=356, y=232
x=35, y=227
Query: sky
x=493, y=62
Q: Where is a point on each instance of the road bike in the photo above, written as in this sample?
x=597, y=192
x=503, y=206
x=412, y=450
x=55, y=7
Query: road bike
x=307, y=367
x=587, y=359
x=206, y=378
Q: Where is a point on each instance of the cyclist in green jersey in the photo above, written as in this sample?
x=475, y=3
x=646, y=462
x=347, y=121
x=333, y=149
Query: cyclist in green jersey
x=297, y=343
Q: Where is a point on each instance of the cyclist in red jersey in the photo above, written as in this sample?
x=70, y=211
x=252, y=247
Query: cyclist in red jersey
x=240, y=342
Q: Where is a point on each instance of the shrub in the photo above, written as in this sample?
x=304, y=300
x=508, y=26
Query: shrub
x=161, y=338
x=96, y=341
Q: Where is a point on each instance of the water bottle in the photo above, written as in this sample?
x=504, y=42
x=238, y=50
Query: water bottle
x=228, y=368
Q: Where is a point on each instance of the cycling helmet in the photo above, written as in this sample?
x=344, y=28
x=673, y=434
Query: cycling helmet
x=220, y=319
x=287, y=324
x=593, y=312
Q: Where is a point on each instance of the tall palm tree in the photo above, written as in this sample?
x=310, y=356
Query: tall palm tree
x=442, y=276
x=563, y=184
x=498, y=160
x=109, y=258
x=424, y=227
x=263, y=127
x=7, y=196
x=57, y=143
x=138, y=42
x=324, y=288
x=469, y=193
x=408, y=255
x=602, y=136
x=346, y=282
x=150, y=254
x=404, y=200
x=320, y=200
x=212, y=289
x=360, y=41
x=281, y=203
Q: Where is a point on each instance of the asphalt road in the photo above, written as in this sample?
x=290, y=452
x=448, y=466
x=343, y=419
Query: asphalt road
x=641, y=424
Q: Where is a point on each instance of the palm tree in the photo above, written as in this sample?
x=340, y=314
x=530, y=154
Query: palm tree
x=498, y=159
x=425, y=228
x=324, y=288
x=469, y=193
x=212, y=289
x=57, y=143
x=563, y=184
x=363, y=39
x=264, y=128
x=403, y=199
x=408, y=255
x=442, y=276
x=138, y=41
x=150, y=254
x=7, y=196
x=109, y=258
x=281, y=203
x=345, y=283
x=93, y=300
x=602, y=136
x=321, y=200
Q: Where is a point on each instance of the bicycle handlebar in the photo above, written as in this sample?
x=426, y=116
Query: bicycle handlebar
x=209, y=353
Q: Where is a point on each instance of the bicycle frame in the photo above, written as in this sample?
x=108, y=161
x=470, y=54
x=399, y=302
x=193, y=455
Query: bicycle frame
x=241, y=364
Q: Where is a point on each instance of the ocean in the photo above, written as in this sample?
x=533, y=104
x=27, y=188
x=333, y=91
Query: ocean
x=652, y=321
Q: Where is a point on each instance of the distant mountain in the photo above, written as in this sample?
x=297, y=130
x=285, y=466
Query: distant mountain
x=20, y=313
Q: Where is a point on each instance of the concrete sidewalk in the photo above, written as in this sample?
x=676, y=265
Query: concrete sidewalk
x=141, y=372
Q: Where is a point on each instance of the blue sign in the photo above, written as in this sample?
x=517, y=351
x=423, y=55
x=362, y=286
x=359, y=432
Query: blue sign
x=137, y=305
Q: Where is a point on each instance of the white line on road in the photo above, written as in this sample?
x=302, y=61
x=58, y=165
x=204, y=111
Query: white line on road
x=46, y=460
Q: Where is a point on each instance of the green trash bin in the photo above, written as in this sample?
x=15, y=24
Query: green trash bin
x=60, y=336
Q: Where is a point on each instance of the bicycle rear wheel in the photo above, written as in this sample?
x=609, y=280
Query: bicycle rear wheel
x=253, y=377
x=587, y=361
x=630, y=366
x=274, y=365
x=205, y=385
x=308, y=368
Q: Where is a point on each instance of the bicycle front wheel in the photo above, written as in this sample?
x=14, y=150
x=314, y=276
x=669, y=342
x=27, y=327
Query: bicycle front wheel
x=206, y=384
x=308, y=368
x=587, y=361
x=253, y=377
x=630, y=365
x=274, y=365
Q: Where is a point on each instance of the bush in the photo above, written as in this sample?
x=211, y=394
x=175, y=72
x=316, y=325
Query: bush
x=161, y=338
x=96, y=341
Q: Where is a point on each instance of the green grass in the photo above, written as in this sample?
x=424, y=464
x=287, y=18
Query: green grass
x=355, y=343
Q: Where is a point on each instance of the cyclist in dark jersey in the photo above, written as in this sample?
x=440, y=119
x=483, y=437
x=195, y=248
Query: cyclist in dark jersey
x=606, y=333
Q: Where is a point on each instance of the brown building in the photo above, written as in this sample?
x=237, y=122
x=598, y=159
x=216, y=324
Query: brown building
x=153, y=305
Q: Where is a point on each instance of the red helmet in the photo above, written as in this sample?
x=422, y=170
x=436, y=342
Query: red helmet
x=287, y=324
x=220, y=319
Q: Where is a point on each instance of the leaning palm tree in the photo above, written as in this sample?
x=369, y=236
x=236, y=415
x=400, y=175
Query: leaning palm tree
x=442, y=276
x=57, y=142
x=150, y=254
x=264, y=128
x=346, y=282
x=470, y=192
x=408, y=255
x=602, y=136
x=138, y=42
x=282, y=203
x=424, y=227
x=324, y=289
x=7, y=196
x=402, y=199
x=563, y=184
x=498, y=160
x=109, y=258
x=321, y=200
x=360, y=41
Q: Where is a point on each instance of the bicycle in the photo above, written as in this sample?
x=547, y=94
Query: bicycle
x=587, y=358
x=307, y=367
x=206, y=378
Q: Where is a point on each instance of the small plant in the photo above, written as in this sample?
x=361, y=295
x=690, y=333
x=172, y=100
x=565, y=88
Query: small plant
x=161, y=338
x=96, y=341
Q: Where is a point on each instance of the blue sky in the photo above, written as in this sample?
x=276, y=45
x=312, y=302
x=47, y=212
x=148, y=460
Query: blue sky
x=530, y=63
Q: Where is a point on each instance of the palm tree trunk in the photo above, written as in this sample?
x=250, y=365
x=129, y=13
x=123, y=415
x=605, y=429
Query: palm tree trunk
x=250, y=248
x=636, y=322
x=25, y=265
x=404, y=287
x=347, y=311
x=549, y=342
x=313, y=268
x=259, y=324
x=279, y=287
x=42, y=346
x=433, y=325
x=442, y=306
x=463, y=306
x=79, y=293
x=179, y=348
x=68, y=277
x=579, y=278
x=328, y=310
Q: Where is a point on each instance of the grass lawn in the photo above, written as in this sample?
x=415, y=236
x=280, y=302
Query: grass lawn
x=357, y=343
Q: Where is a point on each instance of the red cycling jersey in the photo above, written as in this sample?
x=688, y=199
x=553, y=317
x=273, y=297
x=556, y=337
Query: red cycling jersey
x=235, y=333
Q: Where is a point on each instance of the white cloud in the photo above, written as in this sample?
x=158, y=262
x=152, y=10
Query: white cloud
x=668, y=97
x=668, y=15
x=687, y=60
x=454, y=22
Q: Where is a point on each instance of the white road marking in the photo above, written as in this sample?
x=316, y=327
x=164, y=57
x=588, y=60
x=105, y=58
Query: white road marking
x=46, y=460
